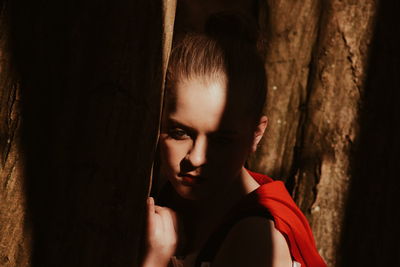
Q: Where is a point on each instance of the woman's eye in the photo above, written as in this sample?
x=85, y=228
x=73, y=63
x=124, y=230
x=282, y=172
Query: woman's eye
x=178, y=134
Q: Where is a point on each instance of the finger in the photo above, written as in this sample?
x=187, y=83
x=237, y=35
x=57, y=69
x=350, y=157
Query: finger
x=150, y=214
x=150, y=205
x=170, y=222
x=168, y=218
x=162, y=212
x=174, y=219
x=158, y=209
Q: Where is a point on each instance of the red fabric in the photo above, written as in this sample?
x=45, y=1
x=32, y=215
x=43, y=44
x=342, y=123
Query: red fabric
x=289, y=220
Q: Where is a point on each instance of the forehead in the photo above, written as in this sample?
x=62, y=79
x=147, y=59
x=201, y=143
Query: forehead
x=208, y=103
x=201, y=95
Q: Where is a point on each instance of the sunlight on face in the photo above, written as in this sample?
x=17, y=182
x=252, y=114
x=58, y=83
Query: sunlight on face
x=205, y=138
x=200, y=104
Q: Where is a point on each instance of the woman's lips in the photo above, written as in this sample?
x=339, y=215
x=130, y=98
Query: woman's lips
x=188, y=179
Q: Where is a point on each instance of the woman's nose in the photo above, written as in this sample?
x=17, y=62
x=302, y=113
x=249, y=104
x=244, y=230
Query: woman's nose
x=198, y=154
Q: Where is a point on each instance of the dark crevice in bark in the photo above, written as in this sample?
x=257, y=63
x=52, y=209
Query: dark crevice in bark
x=8, y=176
x=293, y=182
x=12, y=123
x=351, y=61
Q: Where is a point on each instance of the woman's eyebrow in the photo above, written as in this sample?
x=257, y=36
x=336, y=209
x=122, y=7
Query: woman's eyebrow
x=175, y=123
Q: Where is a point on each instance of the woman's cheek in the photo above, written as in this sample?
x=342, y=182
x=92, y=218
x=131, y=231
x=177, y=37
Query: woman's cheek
x=174, y=151
x=234, y=155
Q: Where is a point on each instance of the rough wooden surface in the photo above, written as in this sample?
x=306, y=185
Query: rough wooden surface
x=291, y=29
x=316, y=63
x=331, y=119
x=14, y=234
x=86, y=112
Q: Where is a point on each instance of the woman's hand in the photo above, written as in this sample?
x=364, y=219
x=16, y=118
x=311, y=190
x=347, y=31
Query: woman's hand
x=161, y=235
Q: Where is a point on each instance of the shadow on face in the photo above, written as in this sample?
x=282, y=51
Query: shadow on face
x=206, y=137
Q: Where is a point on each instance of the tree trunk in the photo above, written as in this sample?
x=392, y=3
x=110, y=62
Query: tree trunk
x=79, y=123
x=316, y=64
x=14, y=234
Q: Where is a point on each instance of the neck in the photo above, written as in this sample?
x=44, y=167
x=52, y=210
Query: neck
x=219, y=203
x=202, y=217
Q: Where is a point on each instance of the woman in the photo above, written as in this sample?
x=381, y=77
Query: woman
x=212, y=211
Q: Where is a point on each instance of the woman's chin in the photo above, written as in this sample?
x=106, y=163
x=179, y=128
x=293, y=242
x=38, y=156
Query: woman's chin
x=187, y=193
x=191, y=191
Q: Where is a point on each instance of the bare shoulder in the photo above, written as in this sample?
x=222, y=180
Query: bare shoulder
x=254, y=242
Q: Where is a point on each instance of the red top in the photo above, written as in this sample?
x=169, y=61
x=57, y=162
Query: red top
x=289, y=220
x=270, y=200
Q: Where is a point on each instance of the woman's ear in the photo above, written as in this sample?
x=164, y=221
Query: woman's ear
x=259, y=132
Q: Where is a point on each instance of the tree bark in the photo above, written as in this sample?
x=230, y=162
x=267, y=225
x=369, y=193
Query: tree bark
x=79, y=128
x=14, y=234
x=316, y=64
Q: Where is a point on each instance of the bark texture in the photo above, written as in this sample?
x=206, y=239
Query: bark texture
x=331, y=122
x=291, y=30
x=316, y=63
x=78, y=133
x=14, y=235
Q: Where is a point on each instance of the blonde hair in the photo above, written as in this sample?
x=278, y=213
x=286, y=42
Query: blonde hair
x=227, y=50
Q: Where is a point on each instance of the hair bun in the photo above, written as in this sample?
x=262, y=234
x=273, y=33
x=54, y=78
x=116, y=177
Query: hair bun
x=232, y=27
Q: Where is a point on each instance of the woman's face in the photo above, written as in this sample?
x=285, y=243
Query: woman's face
x=205, y=138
